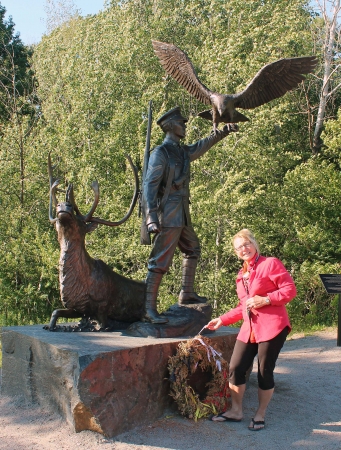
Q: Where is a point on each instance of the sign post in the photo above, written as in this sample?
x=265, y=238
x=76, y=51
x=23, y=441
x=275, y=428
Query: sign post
x=332, y=284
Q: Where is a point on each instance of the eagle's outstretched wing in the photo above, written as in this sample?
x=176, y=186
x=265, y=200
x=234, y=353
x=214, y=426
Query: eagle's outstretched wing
x=177, y=64
x=274, y=80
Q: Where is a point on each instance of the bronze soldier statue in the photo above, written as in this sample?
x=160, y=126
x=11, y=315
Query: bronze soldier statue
x=166, y=208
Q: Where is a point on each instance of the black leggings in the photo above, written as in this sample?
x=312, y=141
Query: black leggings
x=243, y=356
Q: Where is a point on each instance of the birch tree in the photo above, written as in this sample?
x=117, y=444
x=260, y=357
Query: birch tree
x=59, y=12
x=331, y=56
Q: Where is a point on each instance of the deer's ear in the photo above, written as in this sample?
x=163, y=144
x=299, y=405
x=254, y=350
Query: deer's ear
x=91, y=226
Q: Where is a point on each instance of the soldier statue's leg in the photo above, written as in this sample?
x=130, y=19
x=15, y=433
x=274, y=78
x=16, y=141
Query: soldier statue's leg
x=159, y=261
x=190, y=247
x=187, y=294
x=153, y=281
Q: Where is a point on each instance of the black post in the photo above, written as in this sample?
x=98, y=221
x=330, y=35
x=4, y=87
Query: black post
x=338, y=343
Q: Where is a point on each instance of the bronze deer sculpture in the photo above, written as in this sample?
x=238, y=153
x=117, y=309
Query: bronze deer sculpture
x=89, y=288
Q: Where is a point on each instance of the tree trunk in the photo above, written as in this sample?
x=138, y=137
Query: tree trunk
x=330, y=29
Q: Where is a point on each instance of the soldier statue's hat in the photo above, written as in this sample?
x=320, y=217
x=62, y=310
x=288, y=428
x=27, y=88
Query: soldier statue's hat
x=172, y=114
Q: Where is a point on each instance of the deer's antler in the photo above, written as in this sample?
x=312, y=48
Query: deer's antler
x=132, y=204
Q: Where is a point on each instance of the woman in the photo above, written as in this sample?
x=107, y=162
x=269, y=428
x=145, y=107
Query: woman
x=263, y=287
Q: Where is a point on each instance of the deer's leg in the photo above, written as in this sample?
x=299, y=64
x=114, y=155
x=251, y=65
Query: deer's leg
x=102, y=319
x=66, y=313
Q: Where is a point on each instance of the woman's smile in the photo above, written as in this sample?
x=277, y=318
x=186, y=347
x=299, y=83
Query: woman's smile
x=244, y=249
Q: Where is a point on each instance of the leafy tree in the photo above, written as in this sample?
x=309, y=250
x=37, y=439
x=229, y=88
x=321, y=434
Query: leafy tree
x=58, y=12
x=311, y=200
x=25, y=282
x=15, y=71
x=96, y=76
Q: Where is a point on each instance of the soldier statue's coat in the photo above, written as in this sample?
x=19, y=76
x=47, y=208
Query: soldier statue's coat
x=166, y=188
x=166, y=208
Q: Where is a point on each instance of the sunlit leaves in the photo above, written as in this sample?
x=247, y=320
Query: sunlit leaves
x=96, y=76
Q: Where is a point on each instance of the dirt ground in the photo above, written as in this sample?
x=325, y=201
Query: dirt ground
x=305, y=413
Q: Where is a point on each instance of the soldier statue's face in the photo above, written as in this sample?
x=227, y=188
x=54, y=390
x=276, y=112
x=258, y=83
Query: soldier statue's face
x=179, y=128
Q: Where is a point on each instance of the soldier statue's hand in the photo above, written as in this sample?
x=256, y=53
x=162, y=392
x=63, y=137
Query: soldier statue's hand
x=153, y=228
x=229, y=128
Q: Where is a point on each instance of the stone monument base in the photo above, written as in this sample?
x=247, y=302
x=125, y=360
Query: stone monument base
x=104, y=382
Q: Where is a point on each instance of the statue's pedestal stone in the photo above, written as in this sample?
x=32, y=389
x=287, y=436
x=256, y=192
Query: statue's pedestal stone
x=105, y=382
x=187, y=320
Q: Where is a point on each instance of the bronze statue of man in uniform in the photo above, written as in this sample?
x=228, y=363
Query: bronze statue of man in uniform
x=166, y=208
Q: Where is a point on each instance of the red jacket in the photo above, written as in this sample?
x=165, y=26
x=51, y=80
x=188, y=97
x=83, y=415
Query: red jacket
x=269, y=278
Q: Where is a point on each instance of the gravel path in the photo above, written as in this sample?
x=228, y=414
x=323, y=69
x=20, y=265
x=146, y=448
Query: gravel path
x=305, y=413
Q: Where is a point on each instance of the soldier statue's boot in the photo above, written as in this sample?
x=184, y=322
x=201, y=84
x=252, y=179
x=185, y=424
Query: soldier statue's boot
x=153, y=281
x=187, y=294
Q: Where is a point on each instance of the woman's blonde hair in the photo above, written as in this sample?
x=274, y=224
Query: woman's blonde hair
x=246, y=234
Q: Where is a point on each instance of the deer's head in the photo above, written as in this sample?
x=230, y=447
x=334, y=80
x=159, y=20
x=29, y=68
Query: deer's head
x=68, y=214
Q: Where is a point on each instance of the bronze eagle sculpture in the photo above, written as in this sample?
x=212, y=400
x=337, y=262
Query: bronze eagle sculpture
x=272, y=81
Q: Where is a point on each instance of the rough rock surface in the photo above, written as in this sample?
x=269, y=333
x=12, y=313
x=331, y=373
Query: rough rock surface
x=304, y=413
x=185, y=320
x=105, y=382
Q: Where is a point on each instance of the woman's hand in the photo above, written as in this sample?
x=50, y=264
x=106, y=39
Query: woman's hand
x=214, y=324
x=256, y=302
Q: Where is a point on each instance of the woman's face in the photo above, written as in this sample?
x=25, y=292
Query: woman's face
x=244, y=249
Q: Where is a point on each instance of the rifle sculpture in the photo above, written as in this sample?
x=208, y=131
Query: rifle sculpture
x=145, y=237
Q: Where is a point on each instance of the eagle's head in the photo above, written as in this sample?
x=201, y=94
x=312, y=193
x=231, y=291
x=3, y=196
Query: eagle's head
x=221, y=102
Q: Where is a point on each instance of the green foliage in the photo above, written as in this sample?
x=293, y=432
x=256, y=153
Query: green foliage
x=96, y=76
x=15, y=72
x=22, y=228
